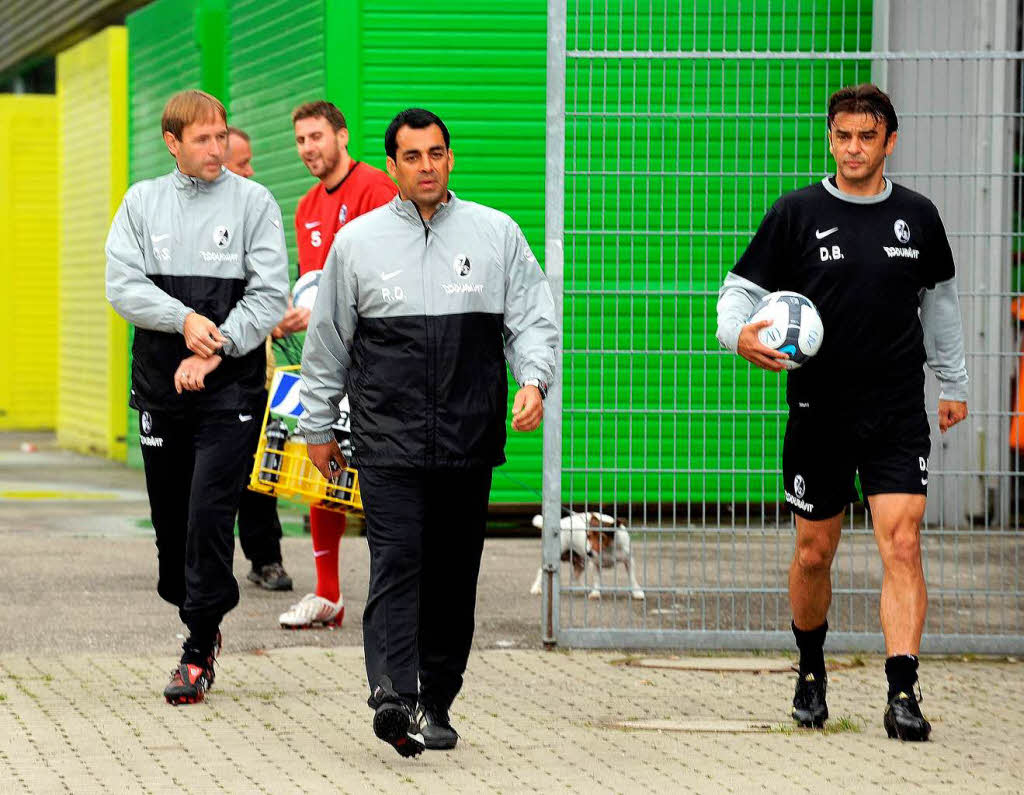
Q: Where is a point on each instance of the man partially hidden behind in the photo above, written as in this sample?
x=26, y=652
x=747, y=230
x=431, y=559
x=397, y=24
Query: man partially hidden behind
x=259, y=526
x=873, y=256
x=421, y=304
x=196, y=260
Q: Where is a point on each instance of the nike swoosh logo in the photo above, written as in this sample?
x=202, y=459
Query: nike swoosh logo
x=319, y=553
x=386, y=276
x=312, y=224
x=924, y=481
x=244, y=417
x=826, y=233
x=158, y=238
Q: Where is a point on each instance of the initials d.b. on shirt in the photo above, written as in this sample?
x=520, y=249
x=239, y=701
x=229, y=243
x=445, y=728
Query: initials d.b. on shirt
x=863, y=262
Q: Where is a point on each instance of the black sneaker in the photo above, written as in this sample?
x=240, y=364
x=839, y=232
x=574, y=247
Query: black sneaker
x=272, y=577
x=392, y=720
x=903, y=719
x=435, y=727
x=191, y=680
x=809, y=708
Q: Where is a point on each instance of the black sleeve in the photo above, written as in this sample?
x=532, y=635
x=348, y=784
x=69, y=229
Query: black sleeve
x=768, y=251
x=940, y=266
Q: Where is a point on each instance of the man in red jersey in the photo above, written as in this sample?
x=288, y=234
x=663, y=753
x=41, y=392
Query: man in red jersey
x=346, y=189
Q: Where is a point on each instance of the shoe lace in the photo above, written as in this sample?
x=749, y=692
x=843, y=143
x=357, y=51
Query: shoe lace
x=196, y=656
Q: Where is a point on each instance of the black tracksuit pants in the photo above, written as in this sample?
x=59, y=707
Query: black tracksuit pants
x=195, y=463
x=259, y=528
x=425, y=530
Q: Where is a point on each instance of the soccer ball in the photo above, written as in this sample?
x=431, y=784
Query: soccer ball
x=304, y=292
x=796, y=326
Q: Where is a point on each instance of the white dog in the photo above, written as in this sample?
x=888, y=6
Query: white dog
x=593, y=539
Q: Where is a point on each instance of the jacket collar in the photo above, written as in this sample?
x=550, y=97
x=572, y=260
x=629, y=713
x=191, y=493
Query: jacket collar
x=193, y=186
x=407, y=209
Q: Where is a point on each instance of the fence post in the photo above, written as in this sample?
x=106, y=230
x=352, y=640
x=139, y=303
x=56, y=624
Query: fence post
x=554, y=222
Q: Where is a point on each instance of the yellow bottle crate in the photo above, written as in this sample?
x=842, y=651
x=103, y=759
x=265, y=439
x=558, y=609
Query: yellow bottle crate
x=286, y=471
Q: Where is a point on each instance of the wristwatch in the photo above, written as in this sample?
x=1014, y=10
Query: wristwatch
x=541, y=386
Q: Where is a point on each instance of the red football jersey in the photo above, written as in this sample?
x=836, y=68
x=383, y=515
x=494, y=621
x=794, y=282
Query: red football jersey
x=321, y=212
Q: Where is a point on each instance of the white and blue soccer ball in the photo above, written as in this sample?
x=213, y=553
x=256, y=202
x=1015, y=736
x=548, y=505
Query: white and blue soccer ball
x=796, y=327
x=305, y=289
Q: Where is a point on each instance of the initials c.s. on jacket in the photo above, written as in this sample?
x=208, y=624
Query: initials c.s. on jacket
x=178, y=245
x=414, y=321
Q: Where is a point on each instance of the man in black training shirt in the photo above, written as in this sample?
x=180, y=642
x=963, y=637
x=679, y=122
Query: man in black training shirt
x=873, y=256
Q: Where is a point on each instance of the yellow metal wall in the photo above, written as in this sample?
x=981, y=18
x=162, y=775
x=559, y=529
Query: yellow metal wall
x=28, y=261
x=92, y=92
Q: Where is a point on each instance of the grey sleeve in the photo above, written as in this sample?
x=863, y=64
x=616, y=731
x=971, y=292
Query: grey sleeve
x=531, y=329
x=736, y=299
x=944, y=339
x=130, y=291
x=326, y=356
x=266, y=283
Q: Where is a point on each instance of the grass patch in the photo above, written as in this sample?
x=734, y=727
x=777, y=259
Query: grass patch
x=843, y=725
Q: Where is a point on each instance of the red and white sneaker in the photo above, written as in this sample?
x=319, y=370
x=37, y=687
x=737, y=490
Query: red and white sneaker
x=190, y=681
x=188, y=685
x=312, y=610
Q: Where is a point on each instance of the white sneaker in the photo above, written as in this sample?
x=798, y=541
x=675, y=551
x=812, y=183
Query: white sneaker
x=312, y=609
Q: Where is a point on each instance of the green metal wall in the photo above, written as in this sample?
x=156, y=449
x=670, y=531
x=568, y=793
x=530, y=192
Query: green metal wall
x=670, y=166
x=646, y=301
x=367, y=57
x=482, y=70
x=277, y=60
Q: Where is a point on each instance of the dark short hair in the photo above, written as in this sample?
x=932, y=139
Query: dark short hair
x=321, y=109
x=239, y=132
x=418, y=119
x=865, y=98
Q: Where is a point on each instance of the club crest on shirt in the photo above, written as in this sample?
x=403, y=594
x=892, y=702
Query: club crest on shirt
x=221, y=236
x=462, y=266
x=902, y=230
x=343, y=214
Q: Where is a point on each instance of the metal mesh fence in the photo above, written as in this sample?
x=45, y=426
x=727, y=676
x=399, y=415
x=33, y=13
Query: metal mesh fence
x=682, y=123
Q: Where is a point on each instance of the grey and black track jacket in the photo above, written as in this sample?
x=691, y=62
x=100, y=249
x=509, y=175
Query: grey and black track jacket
x=178, y=245
x=414, y=321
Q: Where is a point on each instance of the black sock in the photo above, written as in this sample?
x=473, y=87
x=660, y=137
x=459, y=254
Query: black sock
x=202, y=637
x=811, y=643
x=901, y=671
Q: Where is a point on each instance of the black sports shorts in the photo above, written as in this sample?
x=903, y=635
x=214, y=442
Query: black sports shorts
x=824, y=451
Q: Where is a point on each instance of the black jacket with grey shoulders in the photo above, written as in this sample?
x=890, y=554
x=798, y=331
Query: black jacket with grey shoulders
x=415, y=321
x=179, y=244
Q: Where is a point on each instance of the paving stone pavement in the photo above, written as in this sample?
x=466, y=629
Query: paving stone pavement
x=294, y=720
x=86, y=647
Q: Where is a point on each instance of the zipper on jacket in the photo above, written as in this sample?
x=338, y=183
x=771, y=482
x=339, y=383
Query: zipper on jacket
x=430, y=448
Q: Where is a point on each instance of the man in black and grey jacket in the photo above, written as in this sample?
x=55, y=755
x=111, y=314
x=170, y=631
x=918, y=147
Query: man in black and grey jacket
x=196, y=260
x=421, y=304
